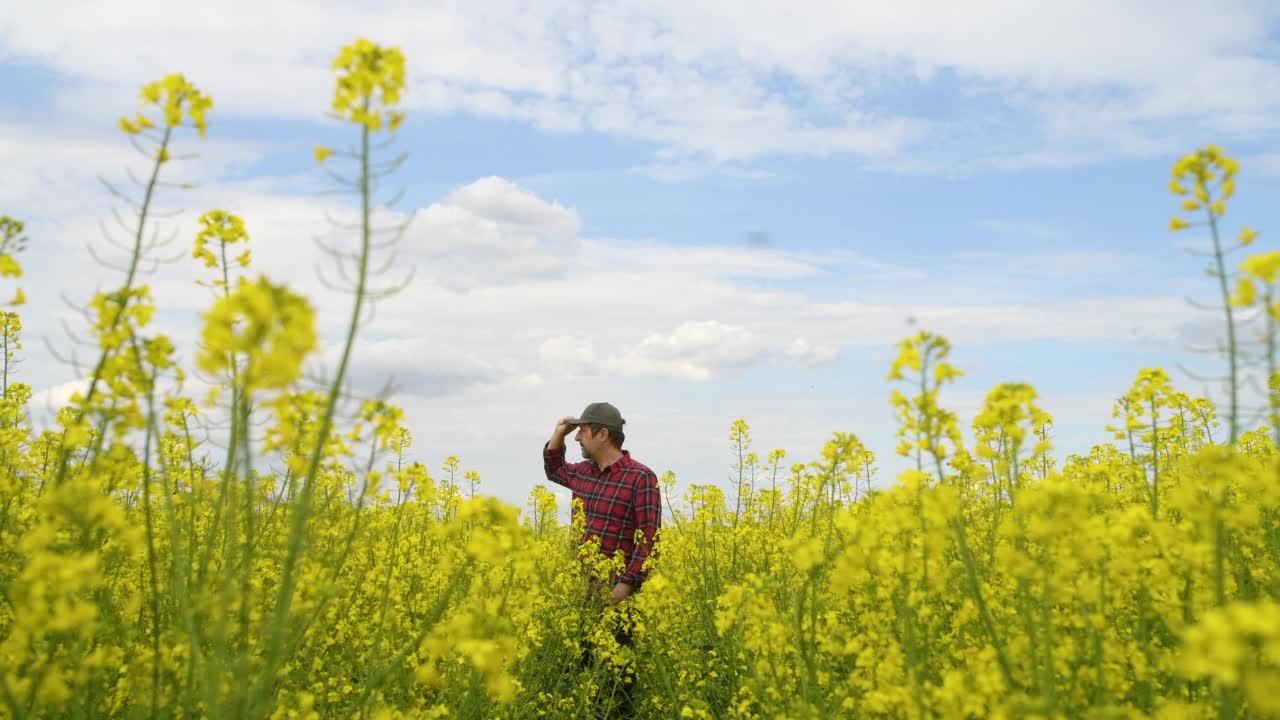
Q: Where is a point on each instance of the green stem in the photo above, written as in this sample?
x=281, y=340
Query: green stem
x=301, y=514
x=1219, y=558
x=1046, y=622
x=1144, y=643
x=241, y=436
x=181, y=579
x=984, y=612
x=924, y=425
x=1232, y=360
x=5, y=389
x=153, y=575
x=134, y=260
x=19, y=712
x=1273, y=395
x=1155, y=462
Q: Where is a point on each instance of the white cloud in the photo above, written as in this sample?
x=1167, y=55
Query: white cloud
x=1061, y=83
x=62, y=166
x=695, y=350
x=46, y=401
x=417, y=365
x=808, y=354
x=531, y=380
x=491, y=232
x=502, y=201
x=667, y=331
x=564, y=354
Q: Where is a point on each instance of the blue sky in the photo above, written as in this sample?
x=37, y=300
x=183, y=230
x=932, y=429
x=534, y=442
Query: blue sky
x=697, y=211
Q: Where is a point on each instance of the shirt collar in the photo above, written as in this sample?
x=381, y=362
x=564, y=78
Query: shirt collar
x=622, y=462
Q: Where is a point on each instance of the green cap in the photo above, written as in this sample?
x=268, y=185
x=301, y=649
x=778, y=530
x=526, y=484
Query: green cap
x=601, y=413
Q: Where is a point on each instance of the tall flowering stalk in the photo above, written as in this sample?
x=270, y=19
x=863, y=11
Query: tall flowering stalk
x=1123, y=584
x=1211, y=175
x=178, y=102
x=13, y=240
x=926, y=427
x=1258, y=288
x=370, y=81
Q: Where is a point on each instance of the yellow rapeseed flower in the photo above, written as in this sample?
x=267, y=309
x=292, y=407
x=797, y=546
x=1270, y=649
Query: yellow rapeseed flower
x=1263, y=266
x=371, y=80
x=9, y=267
x=270, y=326
x=1246, y=293
x=176, y=98
x=221, y=226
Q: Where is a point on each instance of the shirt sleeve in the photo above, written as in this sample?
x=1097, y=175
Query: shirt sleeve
x=555, y=466
x=647, y=512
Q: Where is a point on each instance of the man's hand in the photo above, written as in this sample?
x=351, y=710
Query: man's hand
x=620, y=593
x=563, y=428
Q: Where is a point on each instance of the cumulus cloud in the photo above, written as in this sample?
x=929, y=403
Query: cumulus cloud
x=809, y=354
x=567, y=354
x=492, y=232
x=1065, y=83
x=513, y=310
x=502, y=201
x=519, y=312
x=505, y=286
x=57, y=168
x=46, y=401
x=696, y=350
x=416, y=365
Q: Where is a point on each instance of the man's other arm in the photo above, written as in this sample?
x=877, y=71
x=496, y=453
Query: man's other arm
x=647, y=512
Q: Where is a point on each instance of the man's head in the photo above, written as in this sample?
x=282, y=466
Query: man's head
x=599, y=429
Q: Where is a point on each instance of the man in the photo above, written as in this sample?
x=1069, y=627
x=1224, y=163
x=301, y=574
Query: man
x=619, y=495
x=621, y=503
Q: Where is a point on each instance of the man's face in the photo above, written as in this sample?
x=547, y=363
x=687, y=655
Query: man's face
x=589, y=442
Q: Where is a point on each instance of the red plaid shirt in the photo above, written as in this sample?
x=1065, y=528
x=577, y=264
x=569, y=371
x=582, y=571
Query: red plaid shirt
x=616, y=502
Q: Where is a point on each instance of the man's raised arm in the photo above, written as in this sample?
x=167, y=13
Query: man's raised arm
x=553, y=453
